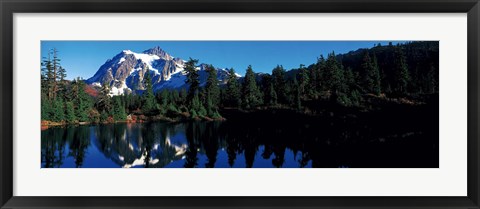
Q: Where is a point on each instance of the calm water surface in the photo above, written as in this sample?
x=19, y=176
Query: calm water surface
x=259, y=144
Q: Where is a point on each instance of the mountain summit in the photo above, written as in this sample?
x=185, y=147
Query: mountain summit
x=126, y=71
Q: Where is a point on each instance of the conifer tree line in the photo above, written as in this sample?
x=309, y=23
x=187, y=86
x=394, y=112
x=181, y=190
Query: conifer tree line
x=62, y=100
x=401, y=70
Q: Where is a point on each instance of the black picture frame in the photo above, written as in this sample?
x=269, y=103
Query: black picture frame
x=9, y=7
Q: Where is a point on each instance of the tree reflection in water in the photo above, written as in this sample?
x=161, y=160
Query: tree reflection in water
x=264, y=141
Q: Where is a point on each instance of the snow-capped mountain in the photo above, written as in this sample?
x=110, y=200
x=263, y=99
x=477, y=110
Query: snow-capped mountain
x=126, y=71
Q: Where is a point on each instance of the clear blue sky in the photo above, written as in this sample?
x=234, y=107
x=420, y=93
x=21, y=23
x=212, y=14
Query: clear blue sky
x=84, y=58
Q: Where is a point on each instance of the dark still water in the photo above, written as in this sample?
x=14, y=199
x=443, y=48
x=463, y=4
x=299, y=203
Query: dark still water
x=261, y=140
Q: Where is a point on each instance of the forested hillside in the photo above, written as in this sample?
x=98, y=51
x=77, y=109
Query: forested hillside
x=362, y=80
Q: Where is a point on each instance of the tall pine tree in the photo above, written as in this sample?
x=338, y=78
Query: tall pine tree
x=62, y=85
x=55, y=73
x=70, y=112
x=402, y=75
x=82, y=101
x=212, y=90
x=251, y=94
x=312, y=85
x=320, y=72
x=233, y=96
x=297, y=89
x=279, y=83
x=304, y=81
x=375, y=75
x=333, y=75
x=371, y=74
x=119, y=109
x=149, y=103
x=192, y=79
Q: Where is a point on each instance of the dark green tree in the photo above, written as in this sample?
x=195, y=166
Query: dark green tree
x=376, y=78
x=119, y=113
x=82, y=100
x=320, y=72
x=103, y=116
x=174, y=97
x=164, y=98
x=58, y=111
x=197, y=109
x=290, y=93
x=402, y=75
x=149, y=103
x=270, y=96
x=46, y=109
x=279, y=83
x=183, y=96
x=298, y=93
x=371, y=74
x=304, y=81
x=49, y=76
x=192, y=79
x=334, y=80
x=251, y=94
x=55, y=65
x=69, y=112
x=333, y=75
x=233, y=94
x=352, y=94
x=312, y=85
x=46, y=71
x=212, y=91
x=62, y=85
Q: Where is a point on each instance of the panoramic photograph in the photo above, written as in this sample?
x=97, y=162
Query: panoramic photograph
x=239, y=104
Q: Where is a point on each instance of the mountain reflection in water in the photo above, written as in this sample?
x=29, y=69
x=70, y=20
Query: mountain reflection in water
x=230, y=144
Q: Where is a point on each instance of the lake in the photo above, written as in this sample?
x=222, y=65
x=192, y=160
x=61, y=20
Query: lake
x=260, y=140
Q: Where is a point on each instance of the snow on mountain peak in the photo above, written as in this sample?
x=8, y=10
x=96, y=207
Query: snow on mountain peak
x=154, y=50
x=126, y=71
x=121, y=60
x=159, y=52
x=127, y=51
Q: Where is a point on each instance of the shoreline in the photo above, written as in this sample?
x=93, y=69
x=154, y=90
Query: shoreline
x=45, y=124
x=315, y=109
